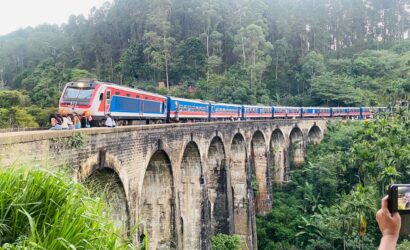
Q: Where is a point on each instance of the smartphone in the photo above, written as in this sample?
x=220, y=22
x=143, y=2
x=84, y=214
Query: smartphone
x=399, y=198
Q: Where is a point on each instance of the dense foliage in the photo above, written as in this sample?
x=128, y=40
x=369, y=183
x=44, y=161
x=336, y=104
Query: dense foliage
x=226, y=242
x=289, y=52
x=332, y=199
x=41, y=210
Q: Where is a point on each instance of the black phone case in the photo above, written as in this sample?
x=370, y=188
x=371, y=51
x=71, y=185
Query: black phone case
x=393, y=196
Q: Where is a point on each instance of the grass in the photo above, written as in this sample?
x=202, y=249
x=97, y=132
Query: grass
x=43, y=210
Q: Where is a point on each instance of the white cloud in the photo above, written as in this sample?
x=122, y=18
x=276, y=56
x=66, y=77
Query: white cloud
x=15, y=14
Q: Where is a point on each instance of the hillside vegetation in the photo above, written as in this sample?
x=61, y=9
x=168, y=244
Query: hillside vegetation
x=332, y=199
x=282, y=52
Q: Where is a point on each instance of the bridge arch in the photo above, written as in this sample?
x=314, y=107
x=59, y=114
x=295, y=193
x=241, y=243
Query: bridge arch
x=259, y=163
x=296, y=147
x=239, y=185
x=315, y=135
x=278, y=154
x=190, y=197
x=102, y=173
x=157, y=202
x=217, y=187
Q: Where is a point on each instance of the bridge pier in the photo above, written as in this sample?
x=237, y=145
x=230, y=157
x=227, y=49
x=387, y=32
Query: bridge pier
x=278, y=153
x=190, y=197
x=297, y=146
x=239, y=186
x=158, y=204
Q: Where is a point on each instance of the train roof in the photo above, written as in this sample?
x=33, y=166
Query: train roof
x=133, y=89
x=94, y=82
x=226, y=104
x=256, y=106
x=188, y=100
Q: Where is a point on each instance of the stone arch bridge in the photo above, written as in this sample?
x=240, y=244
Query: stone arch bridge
x=182, y=182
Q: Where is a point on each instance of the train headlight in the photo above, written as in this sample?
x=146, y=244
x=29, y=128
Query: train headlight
x=81, y=85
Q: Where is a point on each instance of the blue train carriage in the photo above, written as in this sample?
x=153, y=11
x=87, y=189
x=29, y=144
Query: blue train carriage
x=279, y=111
x=346, y=112
x=316, y=112
x=256, y=112
x=339, y=111
x=222, y=111
x=137, y=105
x=353, y=112
x=287, y=112
x=180, y=109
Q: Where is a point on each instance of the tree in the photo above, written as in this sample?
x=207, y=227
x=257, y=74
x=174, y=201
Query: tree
x=252, y=46
x=335, y=90
x=313, y=65
x=190, y=62
x=280, y=48
x=11, y=98
x=159, y=42
x=132, y=63
x=211, y=17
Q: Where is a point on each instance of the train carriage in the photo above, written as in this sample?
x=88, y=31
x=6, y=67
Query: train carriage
x=279, y=112
x=346, y=112
x=254, y=112
x=316, y=112
x=222, y=111
x=353, y=111
x=366, y=112
x=282, y=111
x=338, y=112
x=186, y=109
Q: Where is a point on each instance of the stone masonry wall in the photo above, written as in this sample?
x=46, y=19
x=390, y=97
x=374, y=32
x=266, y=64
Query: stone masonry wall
x=171, y=172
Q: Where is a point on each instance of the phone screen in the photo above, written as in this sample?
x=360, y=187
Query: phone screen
x=403, y=197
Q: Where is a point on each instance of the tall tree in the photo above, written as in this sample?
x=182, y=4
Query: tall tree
x=252, y=46
x=158, y=39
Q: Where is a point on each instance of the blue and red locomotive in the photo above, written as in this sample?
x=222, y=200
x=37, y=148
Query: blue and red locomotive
x=129, y=105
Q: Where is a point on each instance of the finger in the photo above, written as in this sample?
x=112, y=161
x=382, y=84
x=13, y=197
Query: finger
x=384, y=202
x=396, y=215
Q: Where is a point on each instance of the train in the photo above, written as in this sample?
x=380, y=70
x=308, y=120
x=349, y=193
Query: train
x=134, y=106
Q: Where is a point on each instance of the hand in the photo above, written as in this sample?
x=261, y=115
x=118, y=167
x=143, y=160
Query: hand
x=389, y=224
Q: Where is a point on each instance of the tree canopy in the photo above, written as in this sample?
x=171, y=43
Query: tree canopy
x=282, y=52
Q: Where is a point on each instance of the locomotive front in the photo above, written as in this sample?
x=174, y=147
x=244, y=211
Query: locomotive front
x=79, y=97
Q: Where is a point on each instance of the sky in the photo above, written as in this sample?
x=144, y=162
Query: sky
x=15, y=14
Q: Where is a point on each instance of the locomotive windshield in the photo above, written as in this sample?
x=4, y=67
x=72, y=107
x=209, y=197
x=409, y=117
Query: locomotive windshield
x=78, y=93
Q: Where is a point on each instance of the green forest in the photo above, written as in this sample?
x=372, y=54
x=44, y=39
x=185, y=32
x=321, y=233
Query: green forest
x=332, y=199
x=272, y=52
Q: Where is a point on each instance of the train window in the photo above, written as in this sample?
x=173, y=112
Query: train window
x=128, y=95
x=108, y=95
x=101, y=96
x=117, y=93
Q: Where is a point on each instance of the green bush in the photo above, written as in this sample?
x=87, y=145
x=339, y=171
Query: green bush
x=226, y=242
x=42, y=210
